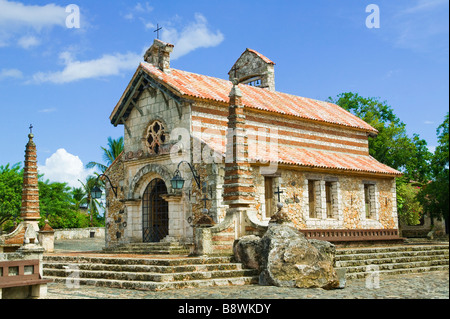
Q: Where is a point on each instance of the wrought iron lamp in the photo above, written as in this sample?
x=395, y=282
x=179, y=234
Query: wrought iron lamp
x=177, y=181
x=96, y=192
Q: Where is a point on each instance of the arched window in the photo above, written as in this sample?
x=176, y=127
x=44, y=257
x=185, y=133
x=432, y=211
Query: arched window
x=156, y=136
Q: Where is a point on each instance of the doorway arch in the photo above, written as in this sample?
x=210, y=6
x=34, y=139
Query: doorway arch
x=155, y=212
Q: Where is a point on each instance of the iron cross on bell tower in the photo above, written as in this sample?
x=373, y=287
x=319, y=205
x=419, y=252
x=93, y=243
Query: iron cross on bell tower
x=158, y=28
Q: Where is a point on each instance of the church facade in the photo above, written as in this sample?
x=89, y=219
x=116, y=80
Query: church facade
x=245, y=152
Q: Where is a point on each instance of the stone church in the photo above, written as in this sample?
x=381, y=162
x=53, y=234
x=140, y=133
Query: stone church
x=245, y=152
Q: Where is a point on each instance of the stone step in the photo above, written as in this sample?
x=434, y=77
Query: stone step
x=398, y=271
x=146, y=268
x=152, y=273
x=393, y=260
x=397, y=259
x=366, y=250
x=399, y=265
x=155, y=261
x=147, y=276
x=170, y=248
x=393, y=254
x=156, y=286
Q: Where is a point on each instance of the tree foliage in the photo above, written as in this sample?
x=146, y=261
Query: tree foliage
x=392, y=146
x=58, y=203
x=110, y=153
x=435, y=194
x=10, y=192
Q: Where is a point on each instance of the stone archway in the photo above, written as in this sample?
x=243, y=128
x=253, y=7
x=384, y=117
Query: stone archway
x=155, y=212
x=141, y=176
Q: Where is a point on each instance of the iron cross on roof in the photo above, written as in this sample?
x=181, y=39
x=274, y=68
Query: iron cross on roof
x=31, y=128
x=278, y=192
x=158, y=28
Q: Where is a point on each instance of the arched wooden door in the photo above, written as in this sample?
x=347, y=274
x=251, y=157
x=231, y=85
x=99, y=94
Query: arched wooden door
x=155, y=212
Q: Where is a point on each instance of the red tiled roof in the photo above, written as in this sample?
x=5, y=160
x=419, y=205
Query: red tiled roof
x=283, y=154
x=265, y=59
x=195, y=85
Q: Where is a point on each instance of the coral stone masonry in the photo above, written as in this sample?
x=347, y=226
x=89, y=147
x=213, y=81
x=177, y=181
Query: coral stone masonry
x=253, y=148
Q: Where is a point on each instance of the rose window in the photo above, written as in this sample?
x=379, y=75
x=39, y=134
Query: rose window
x=155, y=137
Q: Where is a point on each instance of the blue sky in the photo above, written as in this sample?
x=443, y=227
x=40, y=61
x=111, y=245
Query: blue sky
x=66, y=81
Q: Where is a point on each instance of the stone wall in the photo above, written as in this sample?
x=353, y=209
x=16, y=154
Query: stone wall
x=79, y=233
x=347, y=192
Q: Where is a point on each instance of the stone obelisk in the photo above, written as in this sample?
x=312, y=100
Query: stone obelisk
x=30, y=212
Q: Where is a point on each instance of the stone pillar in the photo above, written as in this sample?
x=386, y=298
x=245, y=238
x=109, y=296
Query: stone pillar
x=133, y=231
x=238, y=188
x=30, y=212
x=47, y=238
x=176, y=217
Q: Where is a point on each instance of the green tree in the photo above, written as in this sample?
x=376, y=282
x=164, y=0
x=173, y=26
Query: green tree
x=94, y=205
x=435, y=195
x=56, y=204
x=110, y=153
x=392, y=146
x=409, y=207
x=11, y=178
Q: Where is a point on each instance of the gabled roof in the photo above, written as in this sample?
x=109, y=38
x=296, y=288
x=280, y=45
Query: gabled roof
x=191, y=85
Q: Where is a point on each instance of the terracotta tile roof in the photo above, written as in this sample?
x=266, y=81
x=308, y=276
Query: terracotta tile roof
x=205, y=87
x=265, y=59
x=312, y=158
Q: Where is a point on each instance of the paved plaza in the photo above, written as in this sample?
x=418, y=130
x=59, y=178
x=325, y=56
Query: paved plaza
x=433, y=285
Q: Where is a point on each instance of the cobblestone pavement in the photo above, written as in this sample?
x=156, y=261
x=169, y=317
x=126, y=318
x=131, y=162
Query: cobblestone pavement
x=433, y=285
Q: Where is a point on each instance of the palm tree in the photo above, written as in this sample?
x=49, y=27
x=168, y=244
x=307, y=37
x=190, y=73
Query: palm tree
x=93, y=204
x=110, y=153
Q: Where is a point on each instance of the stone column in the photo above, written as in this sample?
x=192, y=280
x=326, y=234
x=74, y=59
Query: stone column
x=133, y=231
x=176, y=217
x=47, y=238
x=30, y=212
x=238, y=188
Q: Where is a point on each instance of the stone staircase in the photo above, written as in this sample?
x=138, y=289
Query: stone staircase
x=161, y=248
x=147, y=273
x=392, y=260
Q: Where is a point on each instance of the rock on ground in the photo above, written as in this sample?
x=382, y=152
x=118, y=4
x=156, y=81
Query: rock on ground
x=286, y=258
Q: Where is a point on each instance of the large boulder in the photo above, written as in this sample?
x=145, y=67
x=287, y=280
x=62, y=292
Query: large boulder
x=288, y=259
x=246, y=251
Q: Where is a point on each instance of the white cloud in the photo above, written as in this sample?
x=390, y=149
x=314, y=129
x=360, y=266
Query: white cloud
x=27, y=42
x=107, y=65
x=15, y=17
x=10, y=73
x=424, y=5
x=422, y=26
x=138, y=10
x=16, y=14
x=50, y=110
x=64, y=167
x=428, y=122
x=193, y=36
